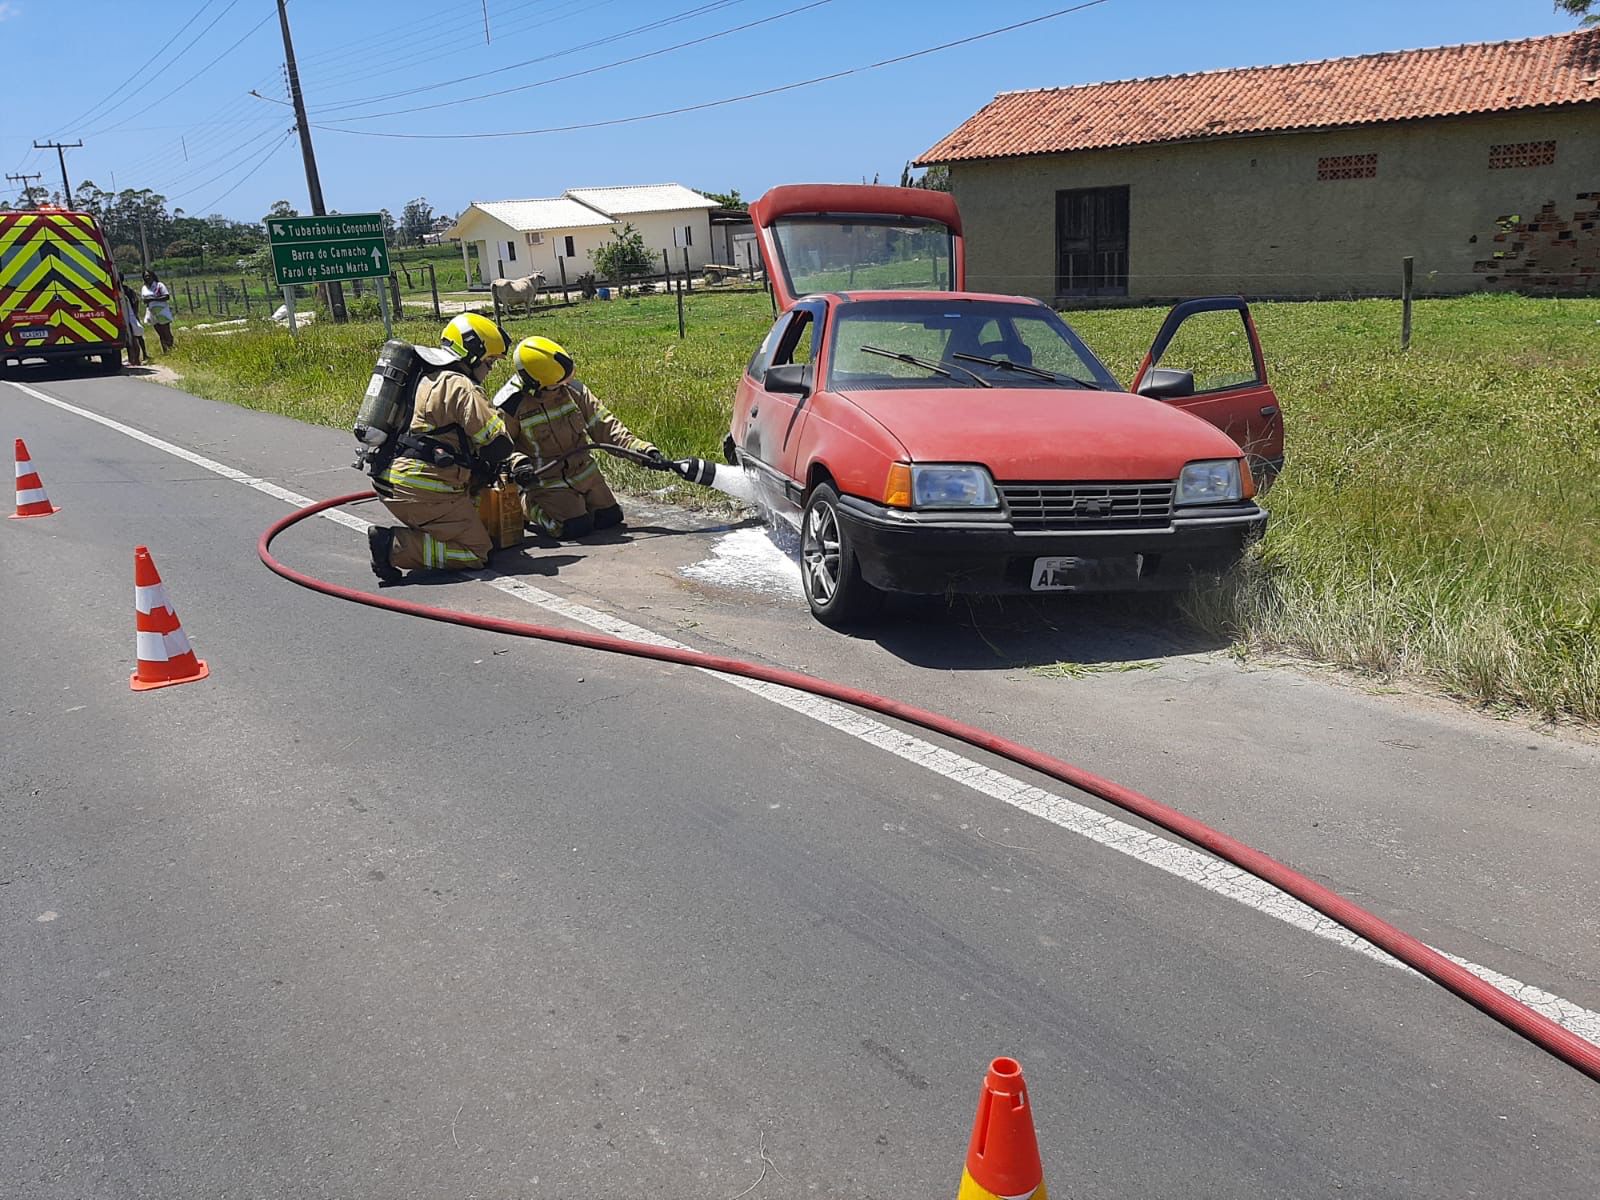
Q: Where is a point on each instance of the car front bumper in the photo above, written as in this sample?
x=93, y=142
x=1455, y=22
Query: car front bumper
x=936, y=553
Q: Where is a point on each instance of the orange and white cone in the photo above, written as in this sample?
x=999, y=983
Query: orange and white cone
x=163, y=651
x=1003, y=1157
x=31, y=500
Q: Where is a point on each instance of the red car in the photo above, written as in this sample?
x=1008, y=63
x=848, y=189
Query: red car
x=928, y=439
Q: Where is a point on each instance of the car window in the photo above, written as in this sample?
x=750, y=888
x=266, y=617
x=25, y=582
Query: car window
x=843, y=253
x=798, y=339
x=1216, y=347
x=952, y=334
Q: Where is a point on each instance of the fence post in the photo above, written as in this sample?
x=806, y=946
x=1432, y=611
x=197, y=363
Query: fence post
x=1406, y=265
x=394, y=290
x=383, y=305
x=561, y=265
x=680, y=307
x=688, y=285
x=501, y=264
x=189, y=292
x=205, y=294
x=749, y=262
x=433, y=286
x=666, y=268
x=244, y=290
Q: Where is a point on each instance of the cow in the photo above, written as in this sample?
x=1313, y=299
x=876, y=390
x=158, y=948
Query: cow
x=510, y=293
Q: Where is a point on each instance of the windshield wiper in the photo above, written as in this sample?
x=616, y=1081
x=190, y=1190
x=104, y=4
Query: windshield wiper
x=927, y=364
x=1036, y=372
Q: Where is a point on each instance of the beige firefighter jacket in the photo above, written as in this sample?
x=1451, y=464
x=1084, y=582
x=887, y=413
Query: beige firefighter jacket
x=449, y=406
x=547, y=423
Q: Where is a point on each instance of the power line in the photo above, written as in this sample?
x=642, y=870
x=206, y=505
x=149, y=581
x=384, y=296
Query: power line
x=176, y=33
x=689, y=108
x=195, y=75
x=699, y=10
x=236, y=152
x=359, y=65
x=240, y=182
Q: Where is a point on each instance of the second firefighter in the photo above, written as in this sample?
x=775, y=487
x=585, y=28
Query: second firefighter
x=551, y=417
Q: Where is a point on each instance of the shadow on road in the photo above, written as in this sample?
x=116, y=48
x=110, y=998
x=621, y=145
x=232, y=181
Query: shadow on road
x=1006, y=632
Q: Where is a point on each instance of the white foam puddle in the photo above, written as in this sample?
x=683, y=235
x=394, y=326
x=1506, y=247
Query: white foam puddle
x=763, y=560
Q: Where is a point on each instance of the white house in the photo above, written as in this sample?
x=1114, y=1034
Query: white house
x=517, y=237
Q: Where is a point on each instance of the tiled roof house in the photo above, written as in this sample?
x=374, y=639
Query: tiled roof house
x=1482, y=162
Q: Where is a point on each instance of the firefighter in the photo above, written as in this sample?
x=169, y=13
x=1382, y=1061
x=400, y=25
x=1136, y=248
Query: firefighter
x=550, y=415
x=456, y=443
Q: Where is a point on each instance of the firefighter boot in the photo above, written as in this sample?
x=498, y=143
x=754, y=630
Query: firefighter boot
x=380, y=542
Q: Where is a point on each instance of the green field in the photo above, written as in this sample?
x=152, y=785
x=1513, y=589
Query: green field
x=1438, y=520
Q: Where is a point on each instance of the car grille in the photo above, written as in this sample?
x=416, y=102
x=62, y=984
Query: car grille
x=1046, y=507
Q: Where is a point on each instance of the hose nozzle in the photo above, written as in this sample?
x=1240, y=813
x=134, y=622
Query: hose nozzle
x=695, y=470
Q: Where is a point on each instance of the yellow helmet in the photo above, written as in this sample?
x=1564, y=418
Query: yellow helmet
x=542, y=362
x=475, y=338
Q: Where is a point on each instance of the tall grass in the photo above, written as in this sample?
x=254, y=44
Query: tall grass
x=1438, y=520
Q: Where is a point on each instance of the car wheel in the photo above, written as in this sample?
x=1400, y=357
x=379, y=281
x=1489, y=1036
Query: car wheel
x=109, y=364
x=829, y=572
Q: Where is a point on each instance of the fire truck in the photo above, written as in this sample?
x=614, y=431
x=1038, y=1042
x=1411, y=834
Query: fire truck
x=59, y=289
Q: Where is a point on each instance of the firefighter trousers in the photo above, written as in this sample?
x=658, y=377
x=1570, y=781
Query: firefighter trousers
x=559, y=508
x=442, y=531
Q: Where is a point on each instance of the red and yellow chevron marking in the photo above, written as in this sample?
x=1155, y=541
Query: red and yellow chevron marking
x=53, y=272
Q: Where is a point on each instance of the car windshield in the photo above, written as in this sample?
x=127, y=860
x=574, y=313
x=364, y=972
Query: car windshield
x=887, y=344
x=840, y=253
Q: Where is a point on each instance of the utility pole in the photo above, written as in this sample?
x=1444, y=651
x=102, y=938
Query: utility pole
x=27, y=190
x=61, y=149
x=313, y=184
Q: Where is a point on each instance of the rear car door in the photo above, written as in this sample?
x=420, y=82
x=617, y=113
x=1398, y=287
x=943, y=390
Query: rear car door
x=1207, y=360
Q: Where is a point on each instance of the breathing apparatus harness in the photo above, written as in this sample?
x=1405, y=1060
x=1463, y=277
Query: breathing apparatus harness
x=383, y=423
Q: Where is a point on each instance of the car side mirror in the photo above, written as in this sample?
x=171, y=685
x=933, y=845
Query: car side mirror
x=1165, y=384
x=791, y=378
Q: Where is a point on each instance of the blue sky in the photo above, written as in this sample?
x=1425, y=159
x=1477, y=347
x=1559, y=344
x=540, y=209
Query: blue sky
x=185, y=125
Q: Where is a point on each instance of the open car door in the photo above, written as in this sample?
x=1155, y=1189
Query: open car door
x=1207, y=359
x=827, y=237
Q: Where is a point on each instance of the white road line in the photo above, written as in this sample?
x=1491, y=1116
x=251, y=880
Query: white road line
x=1176, y=859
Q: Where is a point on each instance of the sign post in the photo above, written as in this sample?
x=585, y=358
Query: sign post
x=331, y=249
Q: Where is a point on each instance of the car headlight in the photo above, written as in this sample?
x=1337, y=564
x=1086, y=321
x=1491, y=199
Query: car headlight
x=1209, y=482
x=941, y=485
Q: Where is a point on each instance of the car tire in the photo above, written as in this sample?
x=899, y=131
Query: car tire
x=109, y=364
x=830, y=575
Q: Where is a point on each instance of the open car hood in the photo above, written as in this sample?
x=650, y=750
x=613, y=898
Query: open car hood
x=858, y=235
x=1044, y=434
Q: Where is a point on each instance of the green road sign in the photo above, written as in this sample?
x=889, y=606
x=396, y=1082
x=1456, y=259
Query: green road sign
x=327, y=249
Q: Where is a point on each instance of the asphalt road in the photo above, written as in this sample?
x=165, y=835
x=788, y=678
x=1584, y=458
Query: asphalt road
x=385, y=908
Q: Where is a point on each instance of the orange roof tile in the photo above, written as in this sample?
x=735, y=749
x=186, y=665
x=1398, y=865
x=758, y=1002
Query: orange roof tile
x=1400, y=85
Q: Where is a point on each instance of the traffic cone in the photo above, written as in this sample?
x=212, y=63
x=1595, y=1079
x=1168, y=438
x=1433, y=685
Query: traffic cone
x=1003, y=1157
x=164, y=654
x=31, y=500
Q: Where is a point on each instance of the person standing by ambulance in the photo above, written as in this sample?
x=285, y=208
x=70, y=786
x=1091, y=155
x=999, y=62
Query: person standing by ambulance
x=552, y=417
x=456, y=443
x=157, y=299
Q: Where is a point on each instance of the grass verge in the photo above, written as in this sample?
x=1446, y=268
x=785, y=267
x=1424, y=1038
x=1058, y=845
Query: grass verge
x=1439, y=518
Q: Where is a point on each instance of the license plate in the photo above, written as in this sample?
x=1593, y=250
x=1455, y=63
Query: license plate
x=34, y=333
x=1069, y=574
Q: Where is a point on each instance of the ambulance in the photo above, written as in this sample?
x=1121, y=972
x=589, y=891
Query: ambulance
x=58, y=289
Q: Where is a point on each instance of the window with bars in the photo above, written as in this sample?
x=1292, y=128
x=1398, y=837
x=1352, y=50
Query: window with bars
x=1347, y=166
x=1510, y=155
x=536, y=238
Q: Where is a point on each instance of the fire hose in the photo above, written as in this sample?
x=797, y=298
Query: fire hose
x=1577, y=1052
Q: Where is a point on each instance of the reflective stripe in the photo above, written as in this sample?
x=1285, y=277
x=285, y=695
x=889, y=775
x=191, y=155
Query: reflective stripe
x=31, y=496
x=148, y=599
x=544, y=418
x=160, y=647
x=592, y=469
x=444, y=554
x=25, y=467
x=494, y=427
x=408, y=472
